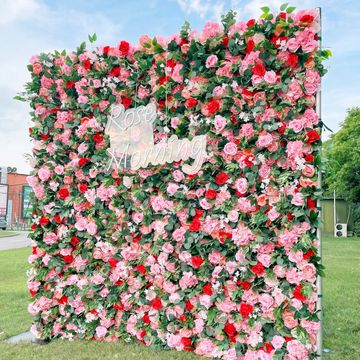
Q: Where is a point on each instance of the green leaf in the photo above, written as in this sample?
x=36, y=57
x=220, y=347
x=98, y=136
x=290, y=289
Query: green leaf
x=283, y=6
x=265, y=9
x=290, y=9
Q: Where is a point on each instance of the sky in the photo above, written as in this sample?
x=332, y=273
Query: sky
x=28, y=27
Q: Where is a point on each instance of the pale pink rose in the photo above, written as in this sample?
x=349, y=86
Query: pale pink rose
x=241, y=185
x=293, y=276
x=179, y=234
x=176, y=76
x=82, y=99
x=211, y=29
x=297, y=125
x=298, y=199
x=172, y=188
x=175, y=122
x=101, y=331
x=219, y=122
x=279, y=271
x=247, y=130
x=174, y=341
x=215, y=257
x=297, y=350
x=220, y=91
x=288, y=318
x=230, y=148
x=293, y=44
x=226, y=306
x=265, y=259
x=309, y=272
x=266, y=301
x=178, y=176
x=137, y=217
x=295, y=149
x=242, y=235
x=46, y=82
x=311, y=82
x=277, y=342
x=233, y=215
x=264, y=140
x=308, y=170
x=143, y=92
x=310, y=118
x=44, y=173
x=91, y=228
x=205, y=300
x=270, y=77
x=211, y=61
x=50, y=238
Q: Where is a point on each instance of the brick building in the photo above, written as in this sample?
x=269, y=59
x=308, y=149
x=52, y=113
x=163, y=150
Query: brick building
x=18, y=207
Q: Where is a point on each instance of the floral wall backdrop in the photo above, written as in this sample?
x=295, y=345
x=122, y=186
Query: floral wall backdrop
x=222, y=262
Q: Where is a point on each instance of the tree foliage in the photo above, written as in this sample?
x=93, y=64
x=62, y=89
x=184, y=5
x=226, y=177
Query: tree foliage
x=342, y=158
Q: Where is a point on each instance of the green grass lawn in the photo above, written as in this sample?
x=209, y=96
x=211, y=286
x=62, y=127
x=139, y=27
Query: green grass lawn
x=7, y=233
x=341, y=312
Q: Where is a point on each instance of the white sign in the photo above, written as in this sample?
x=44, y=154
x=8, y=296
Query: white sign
x=132, y=142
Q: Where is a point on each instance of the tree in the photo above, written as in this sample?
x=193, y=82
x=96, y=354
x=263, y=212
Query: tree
x=342, y=162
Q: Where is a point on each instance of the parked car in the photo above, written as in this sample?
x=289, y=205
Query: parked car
x=3, y=222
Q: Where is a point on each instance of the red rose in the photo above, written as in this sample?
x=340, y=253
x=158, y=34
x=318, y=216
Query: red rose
x=115, y=71
x=225, y=41
x=250, y=23
x=118, y=307
x=32, y=293
x=290, y=216
x=307, y=19
x=98, y=138
x=308, y=254
x=268, y=347
x=258, y=269
x=311, y=203
x=44, y=221
x=196, y=261
x=82, y=188
x=57, y=218
x=106, y=50
x=223, y=235
x=282, y=15
x=63, y=300
x=281, y=128
x=87, y=64
x=74, y=240
x=259, y=69
x=246, y=309
x=44, y=137
x=146, y=319
x=156, y=304
x=141, y=269
x=210, y=194
x=190, y=103
x=68, y=259
x=195, y=225
x=230, y=329
x=188, y=305
x=246, y=285
x=186, y=342
x=126, y=101
x=221, y=178
x=83, y=161
x=207, y=289
x=309, y=158
x=213, y=106
x=113, y=262
x=63, y=193
x=250, y=46
x=124, y=47
x=298, y=293
x=171, y=63
x=69, y=84
x=312, y=136
x=198, y=213
x=292, y=60
x=33, y=227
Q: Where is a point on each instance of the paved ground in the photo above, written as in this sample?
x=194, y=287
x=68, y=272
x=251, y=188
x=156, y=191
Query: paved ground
x=14, y=242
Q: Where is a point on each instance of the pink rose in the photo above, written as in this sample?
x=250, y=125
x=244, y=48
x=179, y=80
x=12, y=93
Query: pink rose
x=277, y=341
x=264, y=140
x=230, y=148
x=270, y=77
x=308, y=170
x=211, y=61
x=37, y=68
x=101, y=331
x=219, y=122
x=311, y=82
x=297, y=125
